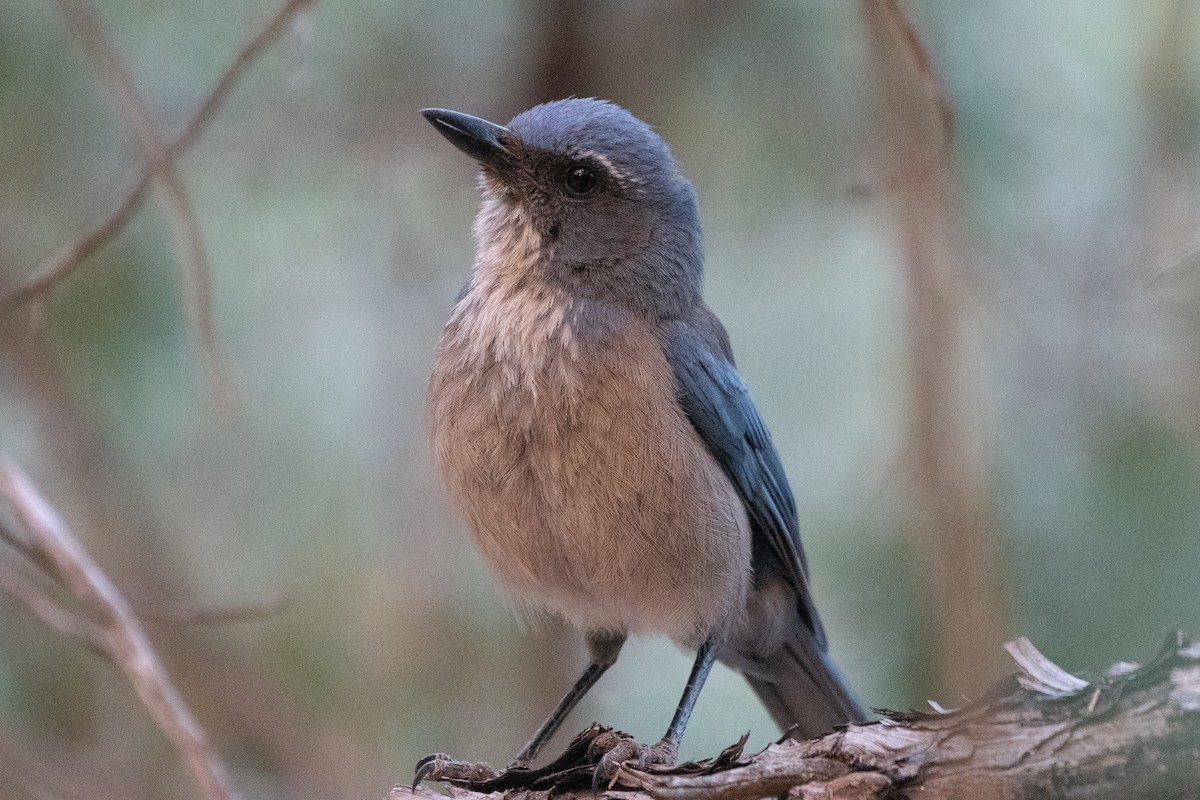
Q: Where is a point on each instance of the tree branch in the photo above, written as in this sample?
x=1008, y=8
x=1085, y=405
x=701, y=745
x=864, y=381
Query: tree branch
x=120, y=635
x=1043, y=733
x=159, y=163
x=70, y=256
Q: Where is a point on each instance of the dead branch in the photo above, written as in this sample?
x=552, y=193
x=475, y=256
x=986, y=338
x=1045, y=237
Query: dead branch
x=121, y=637
x=70, y=256
x=159, y=163
x=15, y=584
x=1043, y=733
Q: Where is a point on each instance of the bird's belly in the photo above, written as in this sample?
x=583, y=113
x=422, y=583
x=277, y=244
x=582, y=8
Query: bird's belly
x=589, y=493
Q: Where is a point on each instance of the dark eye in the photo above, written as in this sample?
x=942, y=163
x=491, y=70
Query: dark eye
x=581, y=179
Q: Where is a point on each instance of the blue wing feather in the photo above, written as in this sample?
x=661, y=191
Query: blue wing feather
x=718, y=404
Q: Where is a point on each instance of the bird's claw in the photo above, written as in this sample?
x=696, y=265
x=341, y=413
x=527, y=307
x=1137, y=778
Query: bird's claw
x=619, y=749
x=594, y=757
x=441, y=767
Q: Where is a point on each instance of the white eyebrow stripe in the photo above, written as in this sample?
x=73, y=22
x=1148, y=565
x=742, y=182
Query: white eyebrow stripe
x=623, y=178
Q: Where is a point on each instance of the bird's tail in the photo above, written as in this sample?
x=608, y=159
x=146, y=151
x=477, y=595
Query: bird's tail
x=800, y=686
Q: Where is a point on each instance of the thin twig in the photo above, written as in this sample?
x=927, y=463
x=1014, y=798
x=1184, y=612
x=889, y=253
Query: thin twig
x=22, y=545
x=248, y=54
x=69, y=257
x=17, y=585
x=1177, y=258
x=158, y=162
x=212, y=616
x=123, y=635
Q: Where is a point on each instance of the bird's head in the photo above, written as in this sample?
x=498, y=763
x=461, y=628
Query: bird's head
x=581, y=194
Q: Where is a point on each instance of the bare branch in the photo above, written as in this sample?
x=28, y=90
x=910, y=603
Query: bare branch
x=213, y=616
x=245, y=58
x=1182, y=255
x=69, y=257
x=159, y=163
x=23, y=546
x=17, y=585
x=124, y=638
x=1132, y=733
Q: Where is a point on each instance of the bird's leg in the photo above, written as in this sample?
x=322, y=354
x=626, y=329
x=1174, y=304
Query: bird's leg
x=604, y=649
x=706, y=656
x=667, y=748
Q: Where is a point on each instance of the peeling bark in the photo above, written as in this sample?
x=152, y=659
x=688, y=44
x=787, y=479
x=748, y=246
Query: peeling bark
x=1042, y=733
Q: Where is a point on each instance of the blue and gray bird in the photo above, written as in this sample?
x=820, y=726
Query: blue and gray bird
x=588, y=421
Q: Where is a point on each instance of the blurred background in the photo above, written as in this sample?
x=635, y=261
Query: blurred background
x=979, y=357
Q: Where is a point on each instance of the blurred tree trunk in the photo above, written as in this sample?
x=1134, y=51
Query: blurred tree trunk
x=1163, y=280
x=581, y=48
x=562, y=51
x=944, y=456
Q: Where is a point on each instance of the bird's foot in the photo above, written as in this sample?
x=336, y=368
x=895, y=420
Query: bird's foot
x=616, y=749
x=441, y=767
x=593, y=758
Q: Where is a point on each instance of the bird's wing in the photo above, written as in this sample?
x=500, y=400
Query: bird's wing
x=718, y=404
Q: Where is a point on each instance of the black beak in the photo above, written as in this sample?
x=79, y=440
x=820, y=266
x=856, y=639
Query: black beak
x=486, y=142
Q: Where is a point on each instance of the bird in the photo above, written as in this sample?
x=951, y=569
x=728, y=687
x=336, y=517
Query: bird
x=587, y=419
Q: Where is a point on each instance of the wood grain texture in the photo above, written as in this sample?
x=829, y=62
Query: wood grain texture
x=1042, y=733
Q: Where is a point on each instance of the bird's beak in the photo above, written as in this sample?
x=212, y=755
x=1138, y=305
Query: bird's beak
x=486, y=142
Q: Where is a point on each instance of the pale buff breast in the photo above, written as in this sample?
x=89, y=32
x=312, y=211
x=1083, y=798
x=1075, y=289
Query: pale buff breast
x=585, y=487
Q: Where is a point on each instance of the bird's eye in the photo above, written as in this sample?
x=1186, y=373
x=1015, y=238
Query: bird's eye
x=581, y=179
